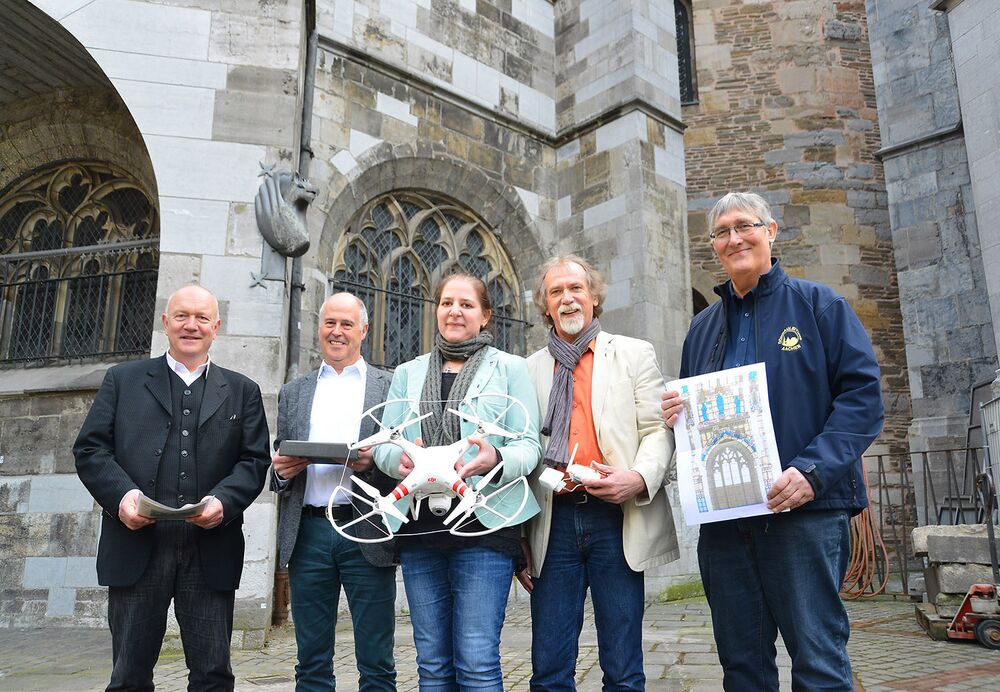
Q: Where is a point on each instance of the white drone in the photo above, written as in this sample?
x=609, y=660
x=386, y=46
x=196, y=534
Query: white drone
x=434, y=477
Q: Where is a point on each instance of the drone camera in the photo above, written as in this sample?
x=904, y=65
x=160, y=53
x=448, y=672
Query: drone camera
x=438, y=505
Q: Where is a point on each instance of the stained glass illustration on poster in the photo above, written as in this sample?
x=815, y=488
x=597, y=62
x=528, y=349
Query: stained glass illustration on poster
x=727, y=458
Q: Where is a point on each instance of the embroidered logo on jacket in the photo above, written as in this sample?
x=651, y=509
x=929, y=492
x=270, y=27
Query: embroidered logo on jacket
x=790, y=339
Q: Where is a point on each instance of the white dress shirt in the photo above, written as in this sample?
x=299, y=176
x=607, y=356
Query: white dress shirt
x=337, y=406
x=188, y=376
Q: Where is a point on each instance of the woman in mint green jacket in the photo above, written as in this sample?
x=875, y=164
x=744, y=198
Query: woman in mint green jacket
x=457, y=586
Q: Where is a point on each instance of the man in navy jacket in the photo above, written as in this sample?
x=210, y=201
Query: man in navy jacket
x=783, y=572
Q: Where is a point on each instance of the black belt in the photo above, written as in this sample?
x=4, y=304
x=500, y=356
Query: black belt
x=338, y=512
x=576, y=497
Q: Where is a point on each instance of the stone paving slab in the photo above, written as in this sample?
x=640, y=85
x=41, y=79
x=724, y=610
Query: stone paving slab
x=888, y=649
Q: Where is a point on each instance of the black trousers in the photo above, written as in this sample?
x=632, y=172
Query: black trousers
x=137, y=616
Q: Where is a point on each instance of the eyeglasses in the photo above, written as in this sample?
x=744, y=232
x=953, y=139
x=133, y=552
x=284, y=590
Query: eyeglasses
x=742, y=229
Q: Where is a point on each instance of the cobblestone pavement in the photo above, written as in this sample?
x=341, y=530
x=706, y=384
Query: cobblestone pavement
x=888, y=649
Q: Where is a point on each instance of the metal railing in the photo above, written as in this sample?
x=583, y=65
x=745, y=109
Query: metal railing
x=919, y=488
x=989, y=421
x=92, y=302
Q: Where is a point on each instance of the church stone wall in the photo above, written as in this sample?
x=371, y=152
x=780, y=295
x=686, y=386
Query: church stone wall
x=378, y=133
x=214, y=89
x=89, y=124
x=47, y=523
x=786, y=107
x=973, y=26
x=620, y=164
x=933, y=212
x=497, y=54
x=612, y=52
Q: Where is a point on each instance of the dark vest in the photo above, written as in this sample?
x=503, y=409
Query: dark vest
x=177, y=477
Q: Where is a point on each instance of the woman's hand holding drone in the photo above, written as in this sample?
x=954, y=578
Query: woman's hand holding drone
x=405, y=462
x=482, y=463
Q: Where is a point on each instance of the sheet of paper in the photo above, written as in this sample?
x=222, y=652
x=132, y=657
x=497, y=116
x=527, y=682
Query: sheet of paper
x=727, y=458
x=149, y=507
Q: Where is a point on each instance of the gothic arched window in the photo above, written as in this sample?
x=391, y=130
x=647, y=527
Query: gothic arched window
x=732, y=475
x=684, y=20
x=79, y=252
x=394, y=254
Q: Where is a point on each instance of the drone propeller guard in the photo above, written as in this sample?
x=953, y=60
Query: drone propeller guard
x=503, y=491
x=369, y=515
x=434, y=474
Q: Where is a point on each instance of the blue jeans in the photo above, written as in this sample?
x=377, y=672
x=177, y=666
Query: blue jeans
x=585, y=550
x=321, y=563
x=457, y=601
x=777, y=573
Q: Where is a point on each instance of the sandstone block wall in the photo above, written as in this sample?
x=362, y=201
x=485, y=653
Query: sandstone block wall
x=48, y=526
x=786, y=107
x=496, y=54
x=378, y=133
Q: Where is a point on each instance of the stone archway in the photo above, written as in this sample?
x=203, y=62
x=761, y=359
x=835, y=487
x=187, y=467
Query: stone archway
x=58, y=104
x=387, y=168
x=79, y=237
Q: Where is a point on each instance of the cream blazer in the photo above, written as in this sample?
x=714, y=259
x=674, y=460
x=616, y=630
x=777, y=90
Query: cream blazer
x=625, y=396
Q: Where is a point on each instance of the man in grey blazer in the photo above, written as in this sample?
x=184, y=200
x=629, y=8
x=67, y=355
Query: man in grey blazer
x=326, y=405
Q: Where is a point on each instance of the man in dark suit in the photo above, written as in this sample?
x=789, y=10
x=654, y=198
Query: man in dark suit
x=326, y=405
x=178, y=429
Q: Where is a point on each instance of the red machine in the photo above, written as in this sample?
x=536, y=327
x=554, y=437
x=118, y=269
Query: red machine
x=979, y=616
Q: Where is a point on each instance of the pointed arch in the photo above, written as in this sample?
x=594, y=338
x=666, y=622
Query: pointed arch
x=79, y=252
x=396, y=251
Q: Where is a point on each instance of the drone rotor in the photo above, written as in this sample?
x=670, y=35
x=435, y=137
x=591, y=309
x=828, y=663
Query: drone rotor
x=484, y=427
x=388, y=434
x=482, y=503
x=494, y=414
x=369, y=526
x=382, y=505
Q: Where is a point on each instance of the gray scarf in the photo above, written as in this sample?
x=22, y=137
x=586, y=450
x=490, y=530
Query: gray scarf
x=441, y=429
x=566, y=354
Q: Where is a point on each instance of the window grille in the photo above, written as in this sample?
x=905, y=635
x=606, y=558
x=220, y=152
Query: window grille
x=393, y=256
x=79, y=252
x=684, y=20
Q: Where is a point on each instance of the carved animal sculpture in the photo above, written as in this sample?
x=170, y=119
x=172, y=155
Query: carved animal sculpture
x=281, y=204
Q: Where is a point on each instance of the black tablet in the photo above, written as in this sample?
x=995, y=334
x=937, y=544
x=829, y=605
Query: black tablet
x=318, y=452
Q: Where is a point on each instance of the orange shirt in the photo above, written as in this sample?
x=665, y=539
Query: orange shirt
x=582, y=430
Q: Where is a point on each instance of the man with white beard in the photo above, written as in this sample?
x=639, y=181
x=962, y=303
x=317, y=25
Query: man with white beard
x=601, y=396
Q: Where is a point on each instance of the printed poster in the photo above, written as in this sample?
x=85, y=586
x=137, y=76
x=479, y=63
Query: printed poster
x=727, y=458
